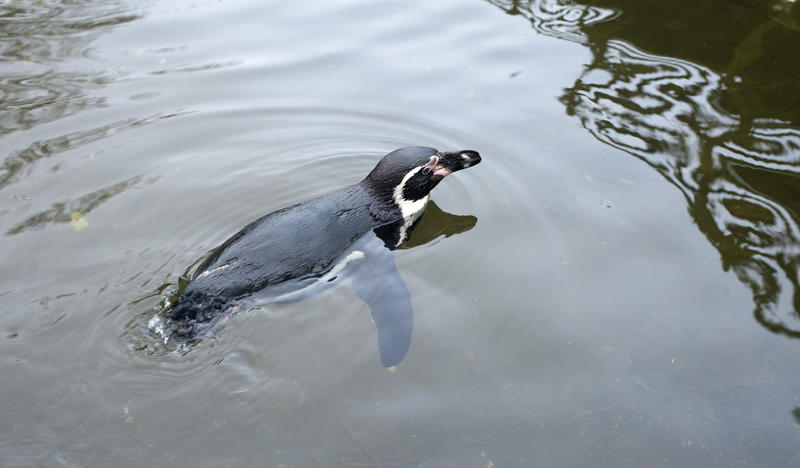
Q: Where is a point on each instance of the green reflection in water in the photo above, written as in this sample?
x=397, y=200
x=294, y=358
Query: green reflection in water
x=436, y=222
x=705, y=93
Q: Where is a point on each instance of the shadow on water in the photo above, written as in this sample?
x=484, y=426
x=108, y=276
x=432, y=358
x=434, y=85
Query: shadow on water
x=706, y=94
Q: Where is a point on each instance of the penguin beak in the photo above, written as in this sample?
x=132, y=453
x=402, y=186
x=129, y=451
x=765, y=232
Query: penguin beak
x=447, y=163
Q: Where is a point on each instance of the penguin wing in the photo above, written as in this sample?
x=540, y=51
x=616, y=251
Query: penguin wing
x=378, y=283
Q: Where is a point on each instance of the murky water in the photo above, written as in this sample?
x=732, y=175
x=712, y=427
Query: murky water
x=615, y=285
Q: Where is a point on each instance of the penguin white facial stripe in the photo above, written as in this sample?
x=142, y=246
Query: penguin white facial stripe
x=408, y=207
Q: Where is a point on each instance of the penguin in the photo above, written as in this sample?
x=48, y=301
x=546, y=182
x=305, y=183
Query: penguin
x=286, y=254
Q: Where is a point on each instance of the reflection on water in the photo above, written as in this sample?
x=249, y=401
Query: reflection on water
x=46, y=47
x=737, y=164
x=436, y=223
x=18, y=163
x=557, y=18
x=663, y=111
x=69, y=211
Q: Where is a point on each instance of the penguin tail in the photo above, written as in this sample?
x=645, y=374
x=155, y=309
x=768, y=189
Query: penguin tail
x=196, y=317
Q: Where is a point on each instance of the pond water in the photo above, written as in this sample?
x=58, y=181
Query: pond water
x=615, y=285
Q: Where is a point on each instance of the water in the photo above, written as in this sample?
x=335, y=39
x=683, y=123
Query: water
x=621, y=289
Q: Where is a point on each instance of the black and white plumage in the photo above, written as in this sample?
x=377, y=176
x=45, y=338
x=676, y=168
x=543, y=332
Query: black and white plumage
x=287, y=251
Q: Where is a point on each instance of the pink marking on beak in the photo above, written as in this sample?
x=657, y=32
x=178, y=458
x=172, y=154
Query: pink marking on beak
x=442, y=172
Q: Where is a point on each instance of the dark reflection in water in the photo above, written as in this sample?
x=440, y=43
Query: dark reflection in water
x=437, y=223
x=48, y=44
x=714, y=108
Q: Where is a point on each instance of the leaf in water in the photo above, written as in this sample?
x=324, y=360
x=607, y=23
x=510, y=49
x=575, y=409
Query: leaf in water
x=78, y=222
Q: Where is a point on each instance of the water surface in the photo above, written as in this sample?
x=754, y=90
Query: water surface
x=626, y=292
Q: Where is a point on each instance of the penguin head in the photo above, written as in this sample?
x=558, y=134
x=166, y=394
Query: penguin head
x=407, y=175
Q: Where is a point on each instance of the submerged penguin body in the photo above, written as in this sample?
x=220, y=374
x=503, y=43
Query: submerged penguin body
x=290, y=249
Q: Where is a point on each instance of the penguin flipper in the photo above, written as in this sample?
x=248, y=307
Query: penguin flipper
x=379, y=285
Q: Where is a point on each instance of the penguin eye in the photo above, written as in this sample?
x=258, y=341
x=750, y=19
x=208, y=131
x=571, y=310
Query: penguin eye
x=430, y=165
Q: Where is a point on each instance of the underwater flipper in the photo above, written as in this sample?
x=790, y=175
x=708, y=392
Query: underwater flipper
x=378, y=283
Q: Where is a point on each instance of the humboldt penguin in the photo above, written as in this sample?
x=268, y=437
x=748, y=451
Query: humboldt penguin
x=289, y=252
